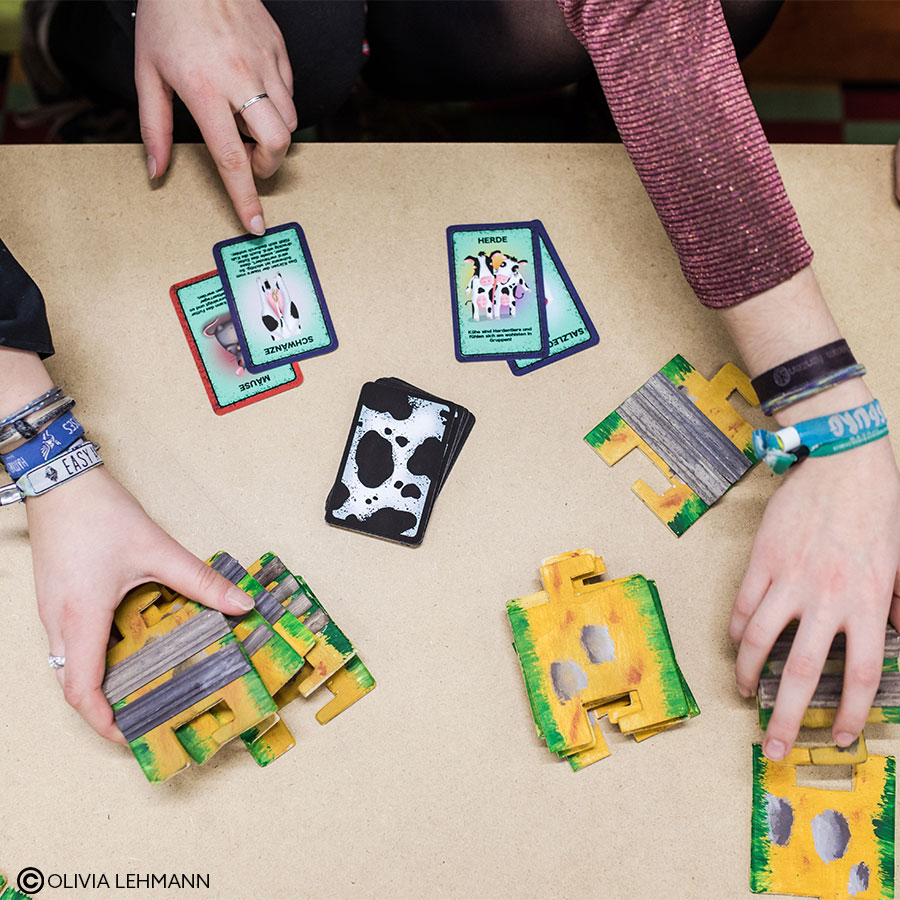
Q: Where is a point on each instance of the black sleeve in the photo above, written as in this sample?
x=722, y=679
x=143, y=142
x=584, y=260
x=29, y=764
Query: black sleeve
x=23, y=319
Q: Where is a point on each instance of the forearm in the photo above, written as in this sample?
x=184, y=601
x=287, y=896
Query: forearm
x=22, y=379
x=781, y=323
x=673, y=84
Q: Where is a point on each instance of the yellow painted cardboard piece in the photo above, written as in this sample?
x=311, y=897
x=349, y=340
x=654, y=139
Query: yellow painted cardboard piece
x=830, y=844
x=590, y=648
x=149, y=614
x=679, y=506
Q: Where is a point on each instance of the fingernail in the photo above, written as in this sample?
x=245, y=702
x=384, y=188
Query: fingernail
x=237, y=598
x=745, y=691
x=151, y=167
x=844, y=739
x=774, y=750
x=257, y=226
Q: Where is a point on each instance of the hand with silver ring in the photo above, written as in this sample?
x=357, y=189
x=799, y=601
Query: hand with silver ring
x=92, y=543
x=227, y=61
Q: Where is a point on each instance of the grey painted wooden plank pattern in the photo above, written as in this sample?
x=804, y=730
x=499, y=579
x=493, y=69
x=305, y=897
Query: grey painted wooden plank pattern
x=317, y=620
x=270, y=571
x=782, y=645
x=269, y=608
x=299, y=605
x=828, y=691
x=256, y=639
x=282, y=590
x=163, y=653
x=694, y=448
x=184, y=690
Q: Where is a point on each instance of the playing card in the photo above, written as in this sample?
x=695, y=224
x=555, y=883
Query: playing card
x=401, y=447
x=275, y=298
x=496, y=292
x=569, y=326
x=208, y=327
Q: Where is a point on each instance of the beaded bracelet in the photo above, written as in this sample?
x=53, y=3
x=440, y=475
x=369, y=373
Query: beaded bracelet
x=823, y=436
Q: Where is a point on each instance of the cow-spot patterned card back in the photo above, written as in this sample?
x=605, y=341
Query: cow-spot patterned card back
x=392, y=465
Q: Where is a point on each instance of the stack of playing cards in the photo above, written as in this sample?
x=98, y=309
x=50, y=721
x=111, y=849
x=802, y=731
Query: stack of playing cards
x=402, y=445
x=249, y=322
x=512, y=298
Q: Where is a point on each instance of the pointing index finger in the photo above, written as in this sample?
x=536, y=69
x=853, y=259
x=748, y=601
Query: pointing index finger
x=231, y=156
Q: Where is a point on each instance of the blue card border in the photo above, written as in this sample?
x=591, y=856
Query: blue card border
x=594, y=337
x=317, y=287
x=538, y=287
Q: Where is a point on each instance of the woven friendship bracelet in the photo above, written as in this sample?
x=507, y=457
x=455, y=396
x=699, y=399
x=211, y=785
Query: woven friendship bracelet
x=51, y=442
x=806, y=375
x=30, y=428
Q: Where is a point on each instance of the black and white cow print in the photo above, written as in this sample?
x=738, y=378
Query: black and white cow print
x=392, y=465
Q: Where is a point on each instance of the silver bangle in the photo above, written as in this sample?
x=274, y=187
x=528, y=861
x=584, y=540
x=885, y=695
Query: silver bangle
x=24, y=430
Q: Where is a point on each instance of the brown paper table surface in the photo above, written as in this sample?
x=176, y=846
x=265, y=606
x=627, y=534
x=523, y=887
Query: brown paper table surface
x=434, y=785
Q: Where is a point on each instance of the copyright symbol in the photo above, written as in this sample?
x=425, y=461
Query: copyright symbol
x=30, y=880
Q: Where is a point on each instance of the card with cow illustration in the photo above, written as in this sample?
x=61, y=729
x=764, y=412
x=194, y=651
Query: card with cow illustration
x=207, y=324
x=275, y=299
x=497, y=292
x=401, y=447
x=571, y=329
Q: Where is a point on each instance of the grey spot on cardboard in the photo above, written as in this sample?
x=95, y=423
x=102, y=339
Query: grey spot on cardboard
x=831, y=834
x=859, y=879
x=568, y=679
x=780, y=819
x=597, y=643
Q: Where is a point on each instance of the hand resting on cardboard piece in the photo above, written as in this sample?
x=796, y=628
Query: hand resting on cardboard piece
x=828, y=549
x=91, y=542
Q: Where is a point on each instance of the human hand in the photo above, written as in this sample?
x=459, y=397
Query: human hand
x=91, y=543
x=216, y=55
x=827, y=553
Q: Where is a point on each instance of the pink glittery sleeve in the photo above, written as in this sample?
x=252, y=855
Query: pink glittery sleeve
x=673, y=84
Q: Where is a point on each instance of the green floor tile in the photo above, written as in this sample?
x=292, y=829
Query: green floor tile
x=871, y=132
x=816, y=104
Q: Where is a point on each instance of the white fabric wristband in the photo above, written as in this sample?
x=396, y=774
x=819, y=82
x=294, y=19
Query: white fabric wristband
x=79, y=458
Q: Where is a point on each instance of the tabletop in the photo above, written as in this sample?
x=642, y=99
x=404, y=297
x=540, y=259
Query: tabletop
x=435, y=784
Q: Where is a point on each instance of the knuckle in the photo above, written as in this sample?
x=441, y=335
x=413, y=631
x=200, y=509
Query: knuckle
x=863, y=676
x=74, y=695
x=756, y=636
x=802, y=666
x=232, y=158
x=206, y=579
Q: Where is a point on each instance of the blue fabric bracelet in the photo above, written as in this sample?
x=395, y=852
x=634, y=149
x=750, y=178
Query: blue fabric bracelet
x=820, y=437
x=57, y=437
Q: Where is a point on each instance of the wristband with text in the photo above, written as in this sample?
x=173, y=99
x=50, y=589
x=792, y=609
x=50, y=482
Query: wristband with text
x=823, y=436
x=75, y=461
x=51, y=442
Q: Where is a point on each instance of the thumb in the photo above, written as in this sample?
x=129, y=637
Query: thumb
x=191, y=577
x=155, y=114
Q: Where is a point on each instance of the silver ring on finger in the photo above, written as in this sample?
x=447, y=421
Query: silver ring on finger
x=55, y=662
x=251, y=101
